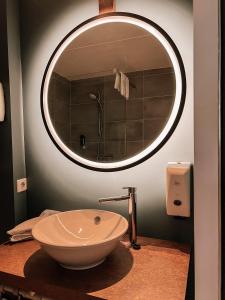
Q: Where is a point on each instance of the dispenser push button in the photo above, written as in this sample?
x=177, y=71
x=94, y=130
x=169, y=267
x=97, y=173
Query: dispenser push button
x=177, y=202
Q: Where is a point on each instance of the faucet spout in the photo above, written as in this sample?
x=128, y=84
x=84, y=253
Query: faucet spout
x=109, y=199
x=131, y=197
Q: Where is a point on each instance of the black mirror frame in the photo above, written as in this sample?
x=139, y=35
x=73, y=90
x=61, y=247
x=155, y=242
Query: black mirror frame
x=182, y=102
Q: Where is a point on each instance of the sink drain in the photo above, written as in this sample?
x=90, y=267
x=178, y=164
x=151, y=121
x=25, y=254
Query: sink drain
x=97, y=220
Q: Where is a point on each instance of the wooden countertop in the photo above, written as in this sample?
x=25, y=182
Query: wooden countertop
x=158, y=271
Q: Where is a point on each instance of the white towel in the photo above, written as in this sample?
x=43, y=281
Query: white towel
x=20, y=237
x=122, y=84
x=127, y=88
x=23, y=230
x=117, y=82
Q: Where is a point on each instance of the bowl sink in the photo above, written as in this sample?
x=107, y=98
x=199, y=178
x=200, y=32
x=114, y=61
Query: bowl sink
x=80, y=239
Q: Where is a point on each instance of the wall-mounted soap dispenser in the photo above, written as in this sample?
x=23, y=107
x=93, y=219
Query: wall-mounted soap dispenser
x=2, y=104
x=178, y=189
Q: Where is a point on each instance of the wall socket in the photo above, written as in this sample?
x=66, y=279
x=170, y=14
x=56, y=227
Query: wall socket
x=21, y=185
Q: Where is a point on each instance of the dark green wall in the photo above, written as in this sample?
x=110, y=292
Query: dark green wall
x=6, y=162
x=12, y=157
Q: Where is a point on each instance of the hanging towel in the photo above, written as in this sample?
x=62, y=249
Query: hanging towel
x=123, y=84
x=127, y=88
x=117, y=82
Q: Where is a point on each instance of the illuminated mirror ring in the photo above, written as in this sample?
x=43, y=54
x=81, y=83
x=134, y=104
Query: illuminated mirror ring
x=178, y=105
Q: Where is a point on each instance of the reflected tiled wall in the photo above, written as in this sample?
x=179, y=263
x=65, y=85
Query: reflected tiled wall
x=129, y=125
x=84, y=116
x=58, y=101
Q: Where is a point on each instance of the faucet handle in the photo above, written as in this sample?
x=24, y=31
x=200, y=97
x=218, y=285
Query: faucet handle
x=131, y=189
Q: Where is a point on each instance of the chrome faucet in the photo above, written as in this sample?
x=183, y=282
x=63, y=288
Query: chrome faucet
x=131, y=197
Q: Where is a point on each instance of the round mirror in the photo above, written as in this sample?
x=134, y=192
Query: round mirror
x=113, y=92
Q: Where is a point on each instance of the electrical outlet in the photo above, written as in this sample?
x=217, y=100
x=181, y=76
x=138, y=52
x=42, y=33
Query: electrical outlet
x=21, y=185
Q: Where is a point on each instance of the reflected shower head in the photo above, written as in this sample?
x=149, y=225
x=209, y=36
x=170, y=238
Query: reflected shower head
x=93, y=96
x=97, y=98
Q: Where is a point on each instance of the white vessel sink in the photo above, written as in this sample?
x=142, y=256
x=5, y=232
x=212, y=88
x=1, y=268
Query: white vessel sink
x=80, y=239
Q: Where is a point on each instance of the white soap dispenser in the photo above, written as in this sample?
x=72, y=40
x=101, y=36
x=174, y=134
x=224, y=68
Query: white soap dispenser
x=178, y=189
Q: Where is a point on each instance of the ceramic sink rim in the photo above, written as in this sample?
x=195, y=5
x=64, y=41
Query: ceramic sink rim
x=104, y=241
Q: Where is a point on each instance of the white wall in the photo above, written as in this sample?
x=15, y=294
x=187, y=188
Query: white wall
x=56, y=182
x=207, y=145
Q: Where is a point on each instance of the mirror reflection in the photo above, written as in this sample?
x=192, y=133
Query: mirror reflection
x=111, y=92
